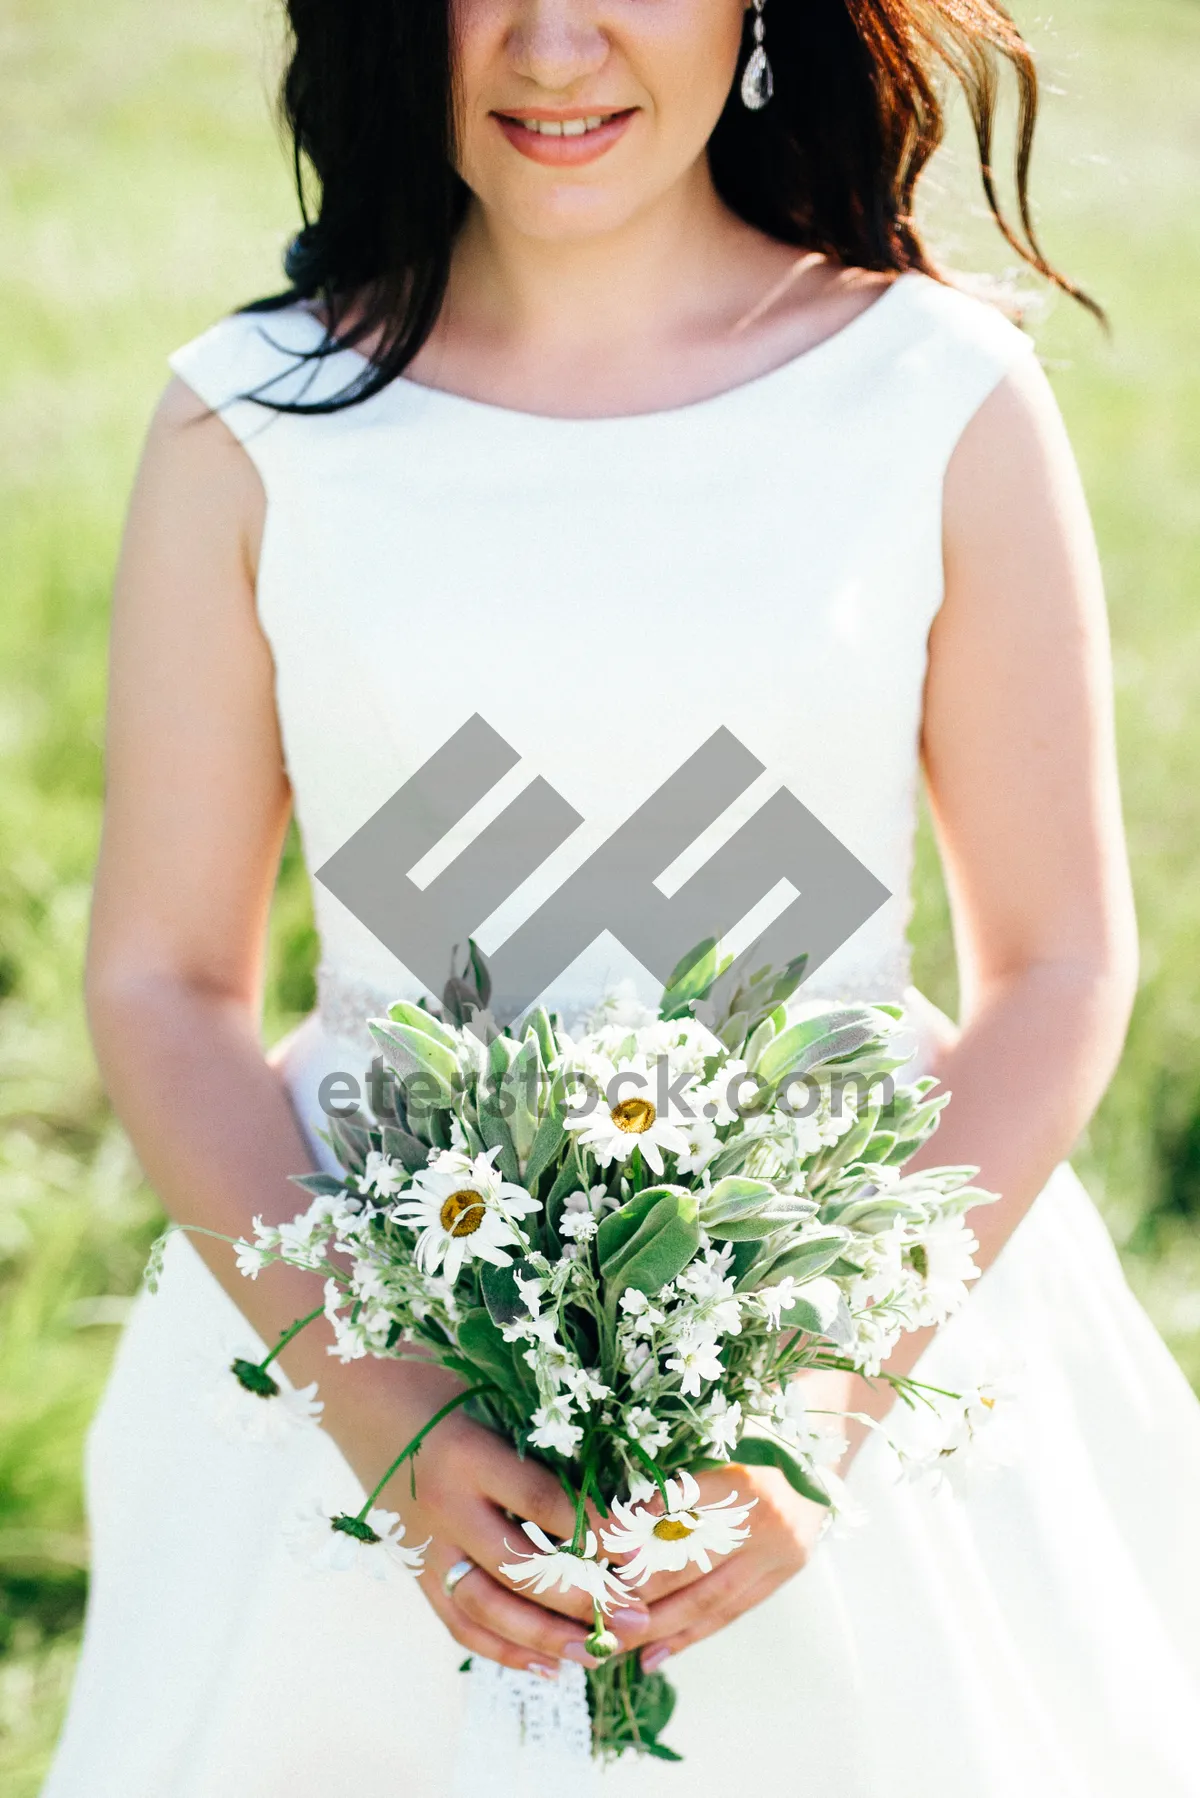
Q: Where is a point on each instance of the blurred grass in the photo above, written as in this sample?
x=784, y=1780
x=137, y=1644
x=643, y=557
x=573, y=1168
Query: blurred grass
x=141, y=195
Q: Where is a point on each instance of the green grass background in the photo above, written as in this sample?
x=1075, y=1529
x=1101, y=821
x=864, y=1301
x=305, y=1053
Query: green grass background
x=142, y=193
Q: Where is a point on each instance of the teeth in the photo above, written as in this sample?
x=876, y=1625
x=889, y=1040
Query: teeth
x=567, y=127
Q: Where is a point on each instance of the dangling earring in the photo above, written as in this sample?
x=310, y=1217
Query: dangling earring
x=758, y=83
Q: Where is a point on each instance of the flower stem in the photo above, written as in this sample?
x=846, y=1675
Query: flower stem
x=412, y=1447
x=301, y=1323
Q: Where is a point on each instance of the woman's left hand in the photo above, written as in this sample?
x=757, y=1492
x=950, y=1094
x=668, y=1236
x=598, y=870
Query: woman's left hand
x=685, y=1607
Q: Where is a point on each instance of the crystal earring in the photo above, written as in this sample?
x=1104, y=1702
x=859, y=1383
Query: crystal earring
x=758, y=83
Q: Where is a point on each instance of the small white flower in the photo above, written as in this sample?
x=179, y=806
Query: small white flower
x=577, y=1226
x=554, y=1429
x=585, y=1386
x=686, y=1532
x=555, y=1568
x=640, y=1365
x=339, y=1543
x=647, y=1429
x=252, y=1257
x=381, y=1176
x=723, y=1424
x=465, y=1211
x=775, y=1300
x=641, y=1317
x=696, y=1360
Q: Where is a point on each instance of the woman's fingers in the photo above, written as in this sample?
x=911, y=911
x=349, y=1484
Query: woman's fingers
x=698, y=1609
x=472, y=1635
x=708, y=1621
x=527, y=1489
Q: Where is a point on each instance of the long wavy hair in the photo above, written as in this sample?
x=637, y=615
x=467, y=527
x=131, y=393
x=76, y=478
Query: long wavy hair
x=832, y=164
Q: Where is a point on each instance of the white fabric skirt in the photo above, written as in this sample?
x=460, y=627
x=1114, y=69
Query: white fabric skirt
x=1036, y=1635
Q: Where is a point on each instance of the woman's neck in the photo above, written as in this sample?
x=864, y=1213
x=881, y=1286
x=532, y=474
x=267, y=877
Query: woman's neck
x=668, y=270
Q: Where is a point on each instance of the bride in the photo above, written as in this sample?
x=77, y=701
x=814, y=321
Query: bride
x=614, y=402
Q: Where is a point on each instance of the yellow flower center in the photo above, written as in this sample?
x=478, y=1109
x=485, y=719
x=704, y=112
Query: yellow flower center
x=462, y=1213
x=634, y=1116
x=675, y=1529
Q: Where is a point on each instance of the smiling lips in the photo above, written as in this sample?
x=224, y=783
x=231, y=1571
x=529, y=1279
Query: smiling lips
x=563, y=139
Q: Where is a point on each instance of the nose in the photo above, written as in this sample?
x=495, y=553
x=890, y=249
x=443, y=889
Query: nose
x=557, y=43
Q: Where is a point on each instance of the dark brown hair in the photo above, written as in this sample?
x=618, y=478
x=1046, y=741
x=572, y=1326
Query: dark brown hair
x=831, y=164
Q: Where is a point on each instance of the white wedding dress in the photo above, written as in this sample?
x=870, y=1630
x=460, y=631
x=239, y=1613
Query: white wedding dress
x=606, y=594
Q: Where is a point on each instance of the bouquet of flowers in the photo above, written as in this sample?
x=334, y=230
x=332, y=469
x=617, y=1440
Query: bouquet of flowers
x=626, y=1244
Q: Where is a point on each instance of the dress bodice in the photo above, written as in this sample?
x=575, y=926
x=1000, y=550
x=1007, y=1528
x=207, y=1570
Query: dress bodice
x=532, y=624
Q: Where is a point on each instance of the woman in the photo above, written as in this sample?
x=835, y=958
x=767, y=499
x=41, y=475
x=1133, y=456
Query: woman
x=617, y=402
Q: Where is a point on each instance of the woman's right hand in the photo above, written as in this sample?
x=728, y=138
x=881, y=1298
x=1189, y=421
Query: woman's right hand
x=470, y=1485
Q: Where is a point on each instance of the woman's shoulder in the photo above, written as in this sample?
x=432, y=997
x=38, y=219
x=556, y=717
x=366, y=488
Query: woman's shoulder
x=978, y=326
x=256, y=356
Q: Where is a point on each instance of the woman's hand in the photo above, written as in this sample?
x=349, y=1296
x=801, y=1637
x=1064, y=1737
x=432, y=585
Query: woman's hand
x=685, y=1607
x=470, y=1487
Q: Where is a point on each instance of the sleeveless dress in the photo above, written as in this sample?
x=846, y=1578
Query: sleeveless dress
x=605, y=594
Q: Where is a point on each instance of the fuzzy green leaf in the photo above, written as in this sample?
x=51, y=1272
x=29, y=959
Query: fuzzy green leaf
x=761, y=1451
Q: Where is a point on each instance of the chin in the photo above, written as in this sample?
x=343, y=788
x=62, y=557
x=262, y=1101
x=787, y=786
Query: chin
x=569, y=216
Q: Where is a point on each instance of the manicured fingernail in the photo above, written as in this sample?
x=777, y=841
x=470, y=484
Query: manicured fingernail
x=629, y=1622
x=542, y=1670
x=575, y=1651
x=653, y=1659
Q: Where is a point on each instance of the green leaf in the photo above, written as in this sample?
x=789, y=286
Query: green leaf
x=806, y=1260
x=411, y=1153
x=351, y=1142
x=820, y=1309
x=538, y=1024
x=660, y=1247
x=546, y=1144
x=501, y=1294
x=692, y=978
x=738, y=1209
x=811, y=1042
x=417, y=1018
x=411, y=1051
x=761, y=1451
x=494, y=1132
x=484, y=1346
x=326, y=1185
x=524, y=1088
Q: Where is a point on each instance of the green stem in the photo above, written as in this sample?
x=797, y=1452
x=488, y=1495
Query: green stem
x=412, y=1447
x=652, y=1468
x=580, y=1533
x=301, y=1323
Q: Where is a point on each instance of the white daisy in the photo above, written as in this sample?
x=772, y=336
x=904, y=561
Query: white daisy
x=555, y=1568
x=944, y=1260
x=465, y=1211
x=339, y=1543
x=250, y=1404
x=620, y=1115
x=685, y=1532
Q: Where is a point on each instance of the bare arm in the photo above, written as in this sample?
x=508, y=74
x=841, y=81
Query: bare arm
x=1018, y=749
x=1020, y=759
x=197, y=806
